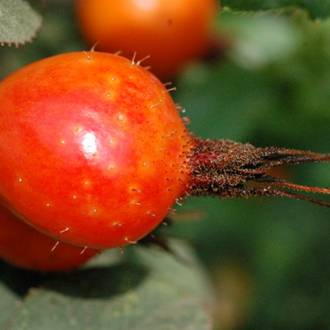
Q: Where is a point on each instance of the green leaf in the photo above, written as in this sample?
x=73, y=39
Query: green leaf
x=149, y=290
x=259, y=38
x=223, y=100
x=18, y=22
x=14, y=283
x=8, y=301
x=317, y=8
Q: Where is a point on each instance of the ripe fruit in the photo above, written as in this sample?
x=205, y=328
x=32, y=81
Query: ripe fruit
x=94, y=153
x=25, y=247
x=172, y=32
x=90, y=147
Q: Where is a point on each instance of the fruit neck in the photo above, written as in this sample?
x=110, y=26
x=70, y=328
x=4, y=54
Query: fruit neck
x=228, y=169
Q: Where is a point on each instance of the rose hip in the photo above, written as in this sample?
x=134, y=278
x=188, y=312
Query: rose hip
x=23, y=246
x=93, y=152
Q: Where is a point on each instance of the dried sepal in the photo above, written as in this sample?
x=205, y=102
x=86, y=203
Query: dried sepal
x=229, y=169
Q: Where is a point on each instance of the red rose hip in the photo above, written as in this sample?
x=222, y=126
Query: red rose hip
x=23, y=246
x=92, y=149
x=171, y=32
x=94, y=153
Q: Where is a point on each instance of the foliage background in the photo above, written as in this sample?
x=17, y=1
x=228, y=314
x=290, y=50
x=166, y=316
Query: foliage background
x=267, y=260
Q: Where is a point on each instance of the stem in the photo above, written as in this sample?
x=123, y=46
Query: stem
x=228, y=169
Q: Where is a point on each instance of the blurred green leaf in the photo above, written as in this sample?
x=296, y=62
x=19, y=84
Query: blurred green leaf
x=8, y=302
x=223, y=100
x=317, y=8
x=259, y=38
x=14, y=284
x=18, y=22
x=150, y=290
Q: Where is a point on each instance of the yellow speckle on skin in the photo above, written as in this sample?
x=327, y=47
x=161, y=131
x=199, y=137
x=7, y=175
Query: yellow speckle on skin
x=110, y=96
x=74, y=196
x=145, y=167
x=20, y=179
x=62, y=141
x=87, y=183
x=48, y=205
x=77, y=129
x=121, y=117
x=113, y=83
x=111, y=168
x=134, y=188
x=151, y=214
x=112, y=141
x=93, y=211
x=135, y=202
x=111, y=90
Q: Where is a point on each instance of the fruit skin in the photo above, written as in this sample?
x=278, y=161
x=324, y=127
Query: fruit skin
x=172, y=32
x=25, y=247
x=92, y=149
